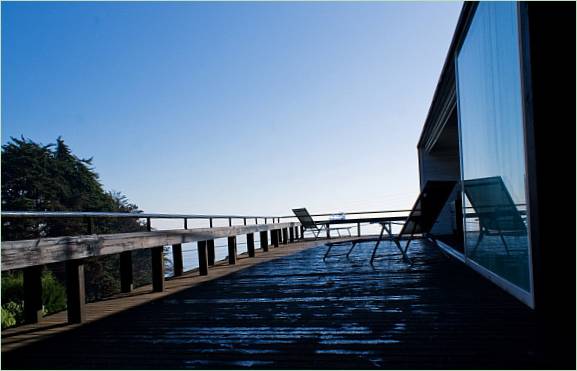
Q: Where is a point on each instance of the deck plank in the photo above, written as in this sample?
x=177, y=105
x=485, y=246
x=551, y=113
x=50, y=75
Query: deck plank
x=296, y=311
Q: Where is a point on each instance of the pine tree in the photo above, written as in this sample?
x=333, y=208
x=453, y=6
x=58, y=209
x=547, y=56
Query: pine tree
x=38, y=177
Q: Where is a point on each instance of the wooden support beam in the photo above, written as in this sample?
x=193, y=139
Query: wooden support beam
x=285, y=236
x=33, y=294
x=177, y=259
x=157, y=257
x=75, y=291
x=302, y=231
x=291, y=235
x=89, y=225
x=274, y=237
x=202, y=258
x=264, y=241
x=296, y=232
x=210, y=252
x=232, y=250
x=359, y=229
x=126, y=279
x=250, y=244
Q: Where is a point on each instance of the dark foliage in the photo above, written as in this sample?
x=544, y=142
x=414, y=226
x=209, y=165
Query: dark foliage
x=38, y=177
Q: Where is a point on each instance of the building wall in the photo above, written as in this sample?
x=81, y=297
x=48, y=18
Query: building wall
x=441, y=166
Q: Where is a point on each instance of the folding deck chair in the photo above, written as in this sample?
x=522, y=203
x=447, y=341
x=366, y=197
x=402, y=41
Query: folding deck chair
x=495, y=209
x=309, y=224
x=422, y=217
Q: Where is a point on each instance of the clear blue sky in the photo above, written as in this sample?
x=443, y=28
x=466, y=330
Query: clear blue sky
x=231, y=107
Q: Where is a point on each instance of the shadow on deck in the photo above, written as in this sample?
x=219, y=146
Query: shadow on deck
x=301, y=312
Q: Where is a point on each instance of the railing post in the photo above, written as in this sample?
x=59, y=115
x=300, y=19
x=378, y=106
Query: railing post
x=126, y=279
x=230, y=222
x=232, y=250
x=75, y=291
x=250, y=244
x=89, y=225
x=274, y=237
x=156, y=254
x=185, y=223
x=202, y=258
x=328, y=231
x=210, y=251
x=244, y=220
x=264, y=241
x=358, y=229
x=285, y=236
x=210, y=222
x=291, y=235
x=177, y=259
x=33, y=294
x=255, y=220
x=148, y=225
x=302, y=232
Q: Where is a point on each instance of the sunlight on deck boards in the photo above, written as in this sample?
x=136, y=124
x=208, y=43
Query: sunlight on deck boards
x=299, y=311
x=57, y=323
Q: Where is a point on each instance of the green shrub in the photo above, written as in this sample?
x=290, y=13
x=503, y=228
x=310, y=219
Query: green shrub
x=53, y=297
x=53, y=293
x=8, y=319
x=12, y=314
x=12, y=287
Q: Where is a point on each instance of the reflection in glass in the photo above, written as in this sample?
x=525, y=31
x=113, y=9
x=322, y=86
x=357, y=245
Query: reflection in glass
x=496, y=222
x=492, y=147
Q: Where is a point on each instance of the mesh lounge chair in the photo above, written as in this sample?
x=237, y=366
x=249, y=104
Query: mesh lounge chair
x=309, y=224
x=495, y=209
x=422, y=217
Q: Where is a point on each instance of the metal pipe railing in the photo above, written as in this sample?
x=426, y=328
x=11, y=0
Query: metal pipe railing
x=352, y=213
x=94, y=214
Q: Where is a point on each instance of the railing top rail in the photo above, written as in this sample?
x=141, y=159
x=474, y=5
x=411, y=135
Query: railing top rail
x=352, y=213
x=90, y=214
x=25, y=253
x=100, y=214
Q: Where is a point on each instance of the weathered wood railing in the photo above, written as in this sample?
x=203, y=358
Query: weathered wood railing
x=31, y=255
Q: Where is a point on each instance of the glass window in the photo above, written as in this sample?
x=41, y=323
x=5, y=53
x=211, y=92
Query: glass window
x=492, y=144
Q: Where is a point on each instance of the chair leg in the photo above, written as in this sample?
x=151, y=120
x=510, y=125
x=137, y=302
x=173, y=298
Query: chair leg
x=504, y=243
x=479, y=239
x=377, y=244
x=327, y=253
x=351, y=249
x=405, y=256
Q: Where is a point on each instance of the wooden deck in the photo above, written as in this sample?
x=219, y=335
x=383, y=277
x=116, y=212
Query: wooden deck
x=289, y=309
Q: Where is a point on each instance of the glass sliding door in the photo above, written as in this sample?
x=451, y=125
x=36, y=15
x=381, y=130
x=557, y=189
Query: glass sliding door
x=492, y=147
